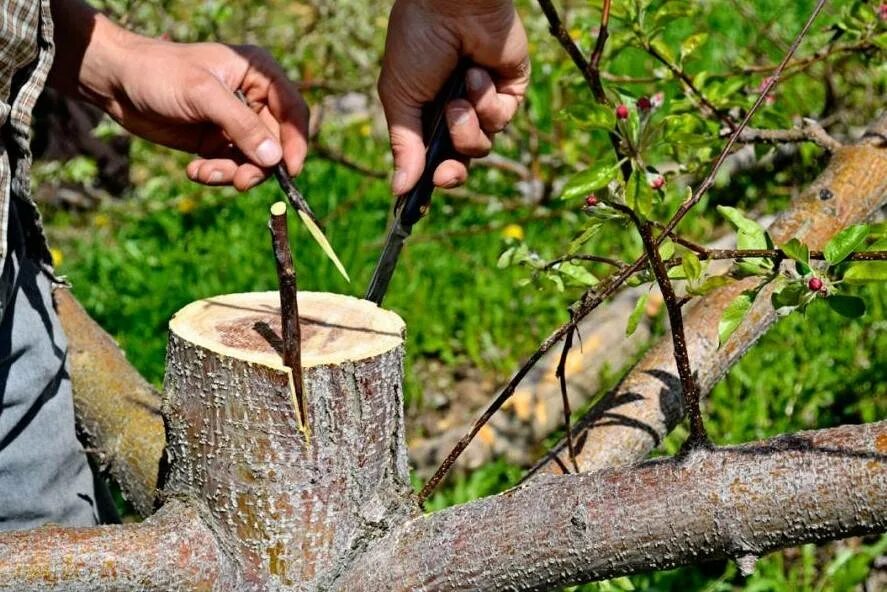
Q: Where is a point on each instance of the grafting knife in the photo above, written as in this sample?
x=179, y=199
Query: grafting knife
x=411, y=206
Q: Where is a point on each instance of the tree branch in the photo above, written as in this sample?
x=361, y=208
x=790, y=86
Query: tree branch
x=172, y=550
x=715, y=504
x=809, y=131
x=117, y=410
x=634, y=417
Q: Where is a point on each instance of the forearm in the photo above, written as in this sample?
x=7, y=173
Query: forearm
x=89, y=48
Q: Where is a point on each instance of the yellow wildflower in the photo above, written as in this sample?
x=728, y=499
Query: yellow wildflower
x=57, y=257
x=513, y=231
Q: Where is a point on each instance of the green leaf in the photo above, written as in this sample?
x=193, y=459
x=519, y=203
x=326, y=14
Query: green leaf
x=587, y=234
x=749, y=235
x=861, y=272
x=789, y=297
x=734, y=314
x=709, y=285
x=692, y=43
x=577, y=273
x=851, y=307
x=797, y=251
x=666, y=249
x=591, y=179
x=635, y=317
x=639, y=194
x=740, y=222
x=844, y=243
x=591, y=115
x=664, y=50
x=692, y=266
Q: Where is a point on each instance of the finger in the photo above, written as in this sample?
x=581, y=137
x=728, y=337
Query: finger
x=217, y=171
x=288, y=108
x=405, y=130
x=216, y=103
x=451, y=173
x=494, y=110
x=468, y=137
x=248, y=176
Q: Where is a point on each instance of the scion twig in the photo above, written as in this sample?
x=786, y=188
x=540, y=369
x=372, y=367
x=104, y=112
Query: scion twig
x=289, y=306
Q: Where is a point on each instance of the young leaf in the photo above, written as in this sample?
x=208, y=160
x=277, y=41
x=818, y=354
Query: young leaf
x=742, y=224
x=692, y=266
x=691, y=44
x=591, y=115
x=593, y=227
x=789, y=298
x=635, y=317
x=851, y=307
x=797, y=251
x=666, y=249
x=844, y=243
x=860, y=272
x=639, y=194
x=577, y=273
x=734, y=313
x=591, y=179
x=709, y=285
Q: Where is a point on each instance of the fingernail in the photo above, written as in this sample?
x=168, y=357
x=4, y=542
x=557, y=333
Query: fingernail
x=269, y=153
x=461, y=116
x=475, y=79
x=451, y=183
x=397, y=184
x=215, y=177
x=254, y=181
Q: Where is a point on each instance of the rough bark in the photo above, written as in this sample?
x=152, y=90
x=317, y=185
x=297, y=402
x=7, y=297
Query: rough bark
x=560, y=530
x=118, y=411
x=292, y=502
x=172, y=550
x=634, y=418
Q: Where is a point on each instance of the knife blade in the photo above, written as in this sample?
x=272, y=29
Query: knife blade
x=413, y=205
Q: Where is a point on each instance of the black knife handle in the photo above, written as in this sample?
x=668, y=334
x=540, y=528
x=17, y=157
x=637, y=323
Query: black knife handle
x=439, y=147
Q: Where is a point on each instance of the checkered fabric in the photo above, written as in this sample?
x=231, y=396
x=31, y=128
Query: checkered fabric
x=26, y=51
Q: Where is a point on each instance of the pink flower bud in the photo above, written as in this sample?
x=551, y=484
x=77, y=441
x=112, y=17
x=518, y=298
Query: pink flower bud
x=622, y=112
x=658, y=182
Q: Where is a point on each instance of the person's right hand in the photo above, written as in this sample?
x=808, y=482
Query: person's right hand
x=426, y=39
x=181, y=95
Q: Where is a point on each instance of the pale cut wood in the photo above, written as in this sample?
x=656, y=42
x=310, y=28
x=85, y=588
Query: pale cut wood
x=291, y=503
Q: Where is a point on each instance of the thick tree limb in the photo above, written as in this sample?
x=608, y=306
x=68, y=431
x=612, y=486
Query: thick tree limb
x=117, y=410
x=645, y=406
x=726, y=502
x=172, y=550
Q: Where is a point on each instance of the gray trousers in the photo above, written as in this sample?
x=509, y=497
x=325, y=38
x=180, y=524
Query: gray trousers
x=44, y=474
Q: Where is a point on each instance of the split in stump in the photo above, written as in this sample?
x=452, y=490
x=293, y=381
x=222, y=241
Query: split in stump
x=289, y=506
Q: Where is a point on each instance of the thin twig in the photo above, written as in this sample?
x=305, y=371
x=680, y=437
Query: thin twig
x=690, y=390
x=561, y=375
x=801, y=63
x=725, y=152
x=688, y=82
x=593, y=258
x=289, y=306
x=809, y=131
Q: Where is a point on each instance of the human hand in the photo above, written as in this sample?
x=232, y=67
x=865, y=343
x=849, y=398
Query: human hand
x=426, y=39
x=182, y=96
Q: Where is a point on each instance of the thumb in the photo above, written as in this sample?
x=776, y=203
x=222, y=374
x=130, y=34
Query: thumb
x=407, y=145
x=216, y=103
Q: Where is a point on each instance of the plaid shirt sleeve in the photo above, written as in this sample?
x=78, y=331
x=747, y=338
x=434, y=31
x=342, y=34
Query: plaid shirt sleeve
x=26, y=52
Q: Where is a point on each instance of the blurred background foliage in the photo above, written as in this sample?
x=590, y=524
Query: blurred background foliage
x=137, y=257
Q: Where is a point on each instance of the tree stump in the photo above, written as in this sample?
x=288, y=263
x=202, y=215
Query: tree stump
x=292, y=498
